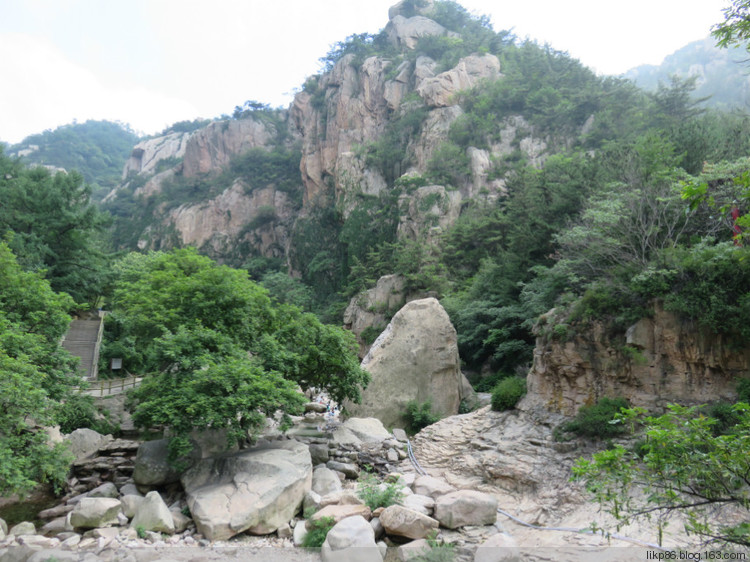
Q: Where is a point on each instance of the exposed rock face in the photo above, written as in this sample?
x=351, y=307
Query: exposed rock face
x=219, y=222
x=427, y=212
x=440, y=90
x=415, y=358
x=346, y=110
x=212, y=147
x=660, y=360
x=337, y=119
x=256, y=490
x=405, y=32
x=372, y=308
x=147, y=154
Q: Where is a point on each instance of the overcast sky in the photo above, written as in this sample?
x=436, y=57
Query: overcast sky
x=150, y=63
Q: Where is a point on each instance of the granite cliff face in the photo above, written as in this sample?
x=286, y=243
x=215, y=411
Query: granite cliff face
x=334, y=122
x=660, y=360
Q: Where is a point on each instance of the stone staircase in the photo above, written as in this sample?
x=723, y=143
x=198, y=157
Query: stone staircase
x=83, y=340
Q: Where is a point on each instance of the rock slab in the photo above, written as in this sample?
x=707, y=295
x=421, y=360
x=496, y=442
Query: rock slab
x=256, y=490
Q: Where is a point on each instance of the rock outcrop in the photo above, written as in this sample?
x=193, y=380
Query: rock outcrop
x=211, y=148
x=256, y=490
x=147, y=154
x=370, y=310
x=415, y=358
x=440, y=91
x=660, y=360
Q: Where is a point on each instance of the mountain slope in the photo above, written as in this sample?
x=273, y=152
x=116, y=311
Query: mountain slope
x=722, y=74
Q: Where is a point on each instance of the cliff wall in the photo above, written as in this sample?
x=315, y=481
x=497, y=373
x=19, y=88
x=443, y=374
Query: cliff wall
x=659, y=360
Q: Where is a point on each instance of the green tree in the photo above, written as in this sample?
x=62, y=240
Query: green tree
x=52, y=226
x=212, y=338
x=683, y=467
x=735, y=29
x=209, y=381
x=36, y=374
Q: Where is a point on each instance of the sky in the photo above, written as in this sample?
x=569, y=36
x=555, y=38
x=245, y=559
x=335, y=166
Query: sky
x=151, y=63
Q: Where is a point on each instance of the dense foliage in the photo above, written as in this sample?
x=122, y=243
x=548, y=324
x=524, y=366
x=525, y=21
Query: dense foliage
x=220, y=354
x=507, y=393
x=52, y=227
x=95, y=149
x=682, y=466
x=36, y=376
x=419, y=415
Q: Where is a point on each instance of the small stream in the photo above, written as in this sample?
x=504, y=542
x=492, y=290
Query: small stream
x=26, y=509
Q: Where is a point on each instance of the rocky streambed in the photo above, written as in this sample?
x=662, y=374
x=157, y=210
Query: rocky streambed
x=125, y=502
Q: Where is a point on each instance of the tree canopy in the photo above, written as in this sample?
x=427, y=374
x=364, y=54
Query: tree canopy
x=217, y=351
x=36, y=375
x=682, y=466
x=52, y=226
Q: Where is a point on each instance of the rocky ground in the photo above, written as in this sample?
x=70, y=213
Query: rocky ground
x=477, y=463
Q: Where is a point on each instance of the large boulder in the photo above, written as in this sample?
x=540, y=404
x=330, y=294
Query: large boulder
x=403, y=522
x=415, y=358
x=325, y=481
x=153, y=515
x=465, y=507
x=84, y=442
x=90, y=513
x=351, y=539
x=152, y=467
x=256, y=490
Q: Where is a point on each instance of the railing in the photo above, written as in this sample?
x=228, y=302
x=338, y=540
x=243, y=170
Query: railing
x=99, y=335
x=111, y=387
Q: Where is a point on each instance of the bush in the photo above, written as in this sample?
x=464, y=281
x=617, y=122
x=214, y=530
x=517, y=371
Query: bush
x=418, y=416
x=376, y=494
x=507, y=393
x=743, y=390
x=725, y=415
x=487, y=383
x=76, y=412
x=318, y=532
x=597, y=420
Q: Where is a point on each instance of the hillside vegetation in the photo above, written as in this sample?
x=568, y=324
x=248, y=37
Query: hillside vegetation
x=537, y=185
x=582, y=196
x=95, y=149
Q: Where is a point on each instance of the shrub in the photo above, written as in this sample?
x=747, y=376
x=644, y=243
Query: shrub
x=725, y=415
x=743, y=390
x=376, y=494
x=486, y=384
x=597, y=420
x=318, y=531
x=507, y=393
x=418, y=416
x=371, y=333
